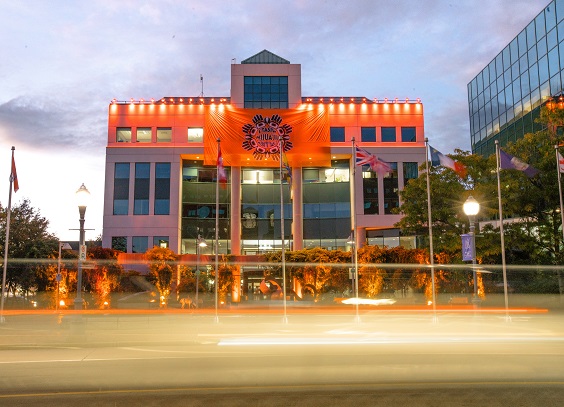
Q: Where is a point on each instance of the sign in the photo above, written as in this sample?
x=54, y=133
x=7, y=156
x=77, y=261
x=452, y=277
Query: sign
x=82, y=252
x=467, y=249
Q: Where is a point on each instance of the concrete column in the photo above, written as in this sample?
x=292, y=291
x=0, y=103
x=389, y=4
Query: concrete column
x=297, y=209
x=235, y=210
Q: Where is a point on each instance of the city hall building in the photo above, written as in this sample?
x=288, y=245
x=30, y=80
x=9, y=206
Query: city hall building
x=161, y=166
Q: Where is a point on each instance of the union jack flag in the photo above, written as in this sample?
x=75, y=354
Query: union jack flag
x=377, y=165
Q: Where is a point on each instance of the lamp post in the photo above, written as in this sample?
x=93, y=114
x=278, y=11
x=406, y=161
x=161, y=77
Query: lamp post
x=471, y=208
x=65, y=246
x=82, y=197
x=200, y=242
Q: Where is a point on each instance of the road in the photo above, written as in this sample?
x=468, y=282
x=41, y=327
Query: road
x=386, y=358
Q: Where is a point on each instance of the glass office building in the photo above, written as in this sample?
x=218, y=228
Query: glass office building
x=504, y=99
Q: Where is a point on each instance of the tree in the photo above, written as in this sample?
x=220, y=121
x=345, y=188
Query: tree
x=29, y=239
x=161, y=261
x=104, y=278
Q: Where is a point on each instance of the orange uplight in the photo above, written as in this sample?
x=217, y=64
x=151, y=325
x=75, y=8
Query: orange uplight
x=132, y=100
x=396, y=100
x=418, y=100
x=152, y=101
x=163, y=100
x=352, y=100
x=171, y=100
x=406, y=100
x=385, y=100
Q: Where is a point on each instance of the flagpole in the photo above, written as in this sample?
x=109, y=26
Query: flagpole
x=561, y=210
x=354, y=234
x=6, y=242
x=501, y=232
x=430, y=222
x=285, y=318
x=216, y=282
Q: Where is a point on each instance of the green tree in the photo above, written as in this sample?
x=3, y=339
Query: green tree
x=162, y=261
x=29, y=239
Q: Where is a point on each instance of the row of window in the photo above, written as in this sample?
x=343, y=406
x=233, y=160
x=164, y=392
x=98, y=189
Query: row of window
x=196, y=134
x=368, y=134
x=139, y=244
x=141, y=188
x=158, y=135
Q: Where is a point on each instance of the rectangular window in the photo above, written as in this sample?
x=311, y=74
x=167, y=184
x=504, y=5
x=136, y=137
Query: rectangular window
x=337, y=134
x=162, y=188
x=410, y=171
x=121, y=188
x=119, y=243
x=164, y=134
x=391, y=190
x=141, y=191
x=266, y=92
x=195, y=135
x=139, y=244
x=388, y=134
x=123, y=134
x=144, y=134
x=161, y=241
x=368, y=134
x=408, y=134
x=370, y=191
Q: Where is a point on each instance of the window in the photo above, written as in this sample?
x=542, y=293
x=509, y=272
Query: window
x=144, y=134
x=266, y=92
x=164, y=134
x=161, y=241
x=408, y=134
x=121, y=189
x=123, y=134
x=195, y=135
x=391, y=191
x=139, y=244
x=337, y=134
x=141, y=192
x=162, y=188
x=368, y=134
x=388, y=134
x=119, y=243
x=370, y=191
x=410, y=171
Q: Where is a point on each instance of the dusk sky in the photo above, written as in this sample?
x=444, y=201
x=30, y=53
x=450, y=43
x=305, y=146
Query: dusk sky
x=62, y=62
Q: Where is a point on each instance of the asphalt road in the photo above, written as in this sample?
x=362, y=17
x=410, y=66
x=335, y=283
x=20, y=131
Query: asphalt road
x=255, y=359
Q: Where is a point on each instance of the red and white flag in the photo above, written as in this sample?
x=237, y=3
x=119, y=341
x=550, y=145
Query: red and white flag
x=14, y=175
x=560, y=163
x=221, y=174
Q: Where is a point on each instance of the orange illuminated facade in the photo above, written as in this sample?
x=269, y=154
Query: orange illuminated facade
x=161, y=166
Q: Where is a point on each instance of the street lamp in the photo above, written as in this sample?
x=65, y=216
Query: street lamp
x=471, y=208
x=200, y=242
x=82, y=198
x=65, y=246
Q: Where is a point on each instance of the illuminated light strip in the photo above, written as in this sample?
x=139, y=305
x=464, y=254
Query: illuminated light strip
x=379, y=341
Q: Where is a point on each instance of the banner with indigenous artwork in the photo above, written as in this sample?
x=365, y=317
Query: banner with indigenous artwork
x=251, y=137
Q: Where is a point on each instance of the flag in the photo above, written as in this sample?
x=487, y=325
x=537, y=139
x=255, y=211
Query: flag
x=560, y=163
x=378, y=166
x=286, y=166
x=221, y=174
x=439, y=159
x=14, y=175
x=509, y=162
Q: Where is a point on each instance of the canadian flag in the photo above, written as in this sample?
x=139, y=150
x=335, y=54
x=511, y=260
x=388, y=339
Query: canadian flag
x=560, y=163
x=221, y=174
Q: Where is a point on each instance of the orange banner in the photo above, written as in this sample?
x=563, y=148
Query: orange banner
x=251, y=137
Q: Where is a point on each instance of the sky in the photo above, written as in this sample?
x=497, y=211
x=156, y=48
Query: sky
x=63, y=61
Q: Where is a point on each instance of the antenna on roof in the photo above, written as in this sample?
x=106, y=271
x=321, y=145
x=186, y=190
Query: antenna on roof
x=202, y=82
